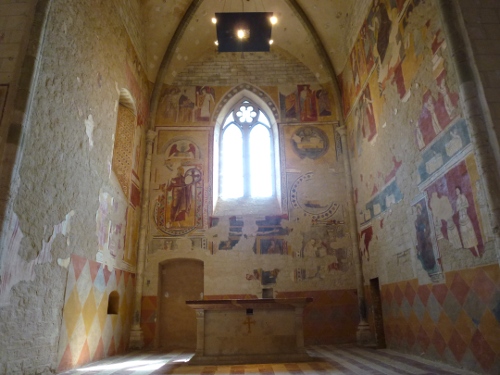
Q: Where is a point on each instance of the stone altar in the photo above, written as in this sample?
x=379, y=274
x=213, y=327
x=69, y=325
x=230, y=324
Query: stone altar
x=249, y=331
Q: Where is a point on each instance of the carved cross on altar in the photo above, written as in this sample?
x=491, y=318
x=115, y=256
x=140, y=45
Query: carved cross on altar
x=249, y=323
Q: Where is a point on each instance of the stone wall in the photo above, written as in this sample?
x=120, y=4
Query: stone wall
x=67, y=200
x=482, y=23
x=422, y=210
x=224, y=69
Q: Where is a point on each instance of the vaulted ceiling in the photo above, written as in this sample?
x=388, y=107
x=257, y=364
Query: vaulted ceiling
x=317, y=32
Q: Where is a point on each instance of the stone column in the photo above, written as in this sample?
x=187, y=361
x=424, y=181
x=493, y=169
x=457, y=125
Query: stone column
x=364, y=335
x=136, y=333
x=475, y=110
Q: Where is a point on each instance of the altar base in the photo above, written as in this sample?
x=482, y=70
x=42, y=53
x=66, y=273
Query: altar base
x=250, y=331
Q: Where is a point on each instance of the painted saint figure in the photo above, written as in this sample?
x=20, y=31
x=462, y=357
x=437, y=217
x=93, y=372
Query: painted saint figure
x=425, y=250
x=420, y=137
x=448, y=105
x=181, y=197
x=186, y=106
x=429, y=105
x=469, y=239
x=306, y=104
x=206, y=101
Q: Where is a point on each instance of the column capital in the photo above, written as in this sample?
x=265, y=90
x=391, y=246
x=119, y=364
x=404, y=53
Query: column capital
x=341, y=130
x=150, y=136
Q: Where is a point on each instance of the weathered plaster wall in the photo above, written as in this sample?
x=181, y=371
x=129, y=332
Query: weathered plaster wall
x=69, y=202
x=304, y=247
x=422, y=210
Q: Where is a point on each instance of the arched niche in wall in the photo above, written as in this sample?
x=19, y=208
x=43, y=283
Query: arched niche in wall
x=113, y=303
x=123, y=148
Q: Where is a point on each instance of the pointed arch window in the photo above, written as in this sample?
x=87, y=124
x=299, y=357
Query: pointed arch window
x=248, y=162
x=247, y=155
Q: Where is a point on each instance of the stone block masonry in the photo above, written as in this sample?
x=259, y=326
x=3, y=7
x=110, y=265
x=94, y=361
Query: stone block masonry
x=482, y=22
x=258, y=68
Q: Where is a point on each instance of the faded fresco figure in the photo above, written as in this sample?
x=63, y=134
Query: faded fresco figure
x=186, y=107
x=181, y=198
x=469, y=238
x=448, y=105
x=425, y=252
x=274, y=248
x=443, y=211
x=307, y=111
x=310, y=248
x=453, y=235
x=429, y=105
x=205, y=103
x=420, y=137
x=483, y=209
x=170, y=101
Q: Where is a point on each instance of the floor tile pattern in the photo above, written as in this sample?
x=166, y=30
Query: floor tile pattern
x=457, y=322
x=326, y=360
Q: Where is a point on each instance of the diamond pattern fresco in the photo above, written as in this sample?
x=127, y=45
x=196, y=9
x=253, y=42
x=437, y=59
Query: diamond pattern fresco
x=88, y=332
x=457, y=321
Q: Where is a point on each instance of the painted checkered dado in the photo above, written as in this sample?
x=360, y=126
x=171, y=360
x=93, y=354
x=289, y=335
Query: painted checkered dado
x=88, y=333
x=457, y=322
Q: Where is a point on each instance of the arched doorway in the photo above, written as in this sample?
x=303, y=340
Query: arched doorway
x=180, y=280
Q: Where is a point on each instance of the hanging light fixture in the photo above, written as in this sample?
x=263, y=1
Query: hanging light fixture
x=244, y=31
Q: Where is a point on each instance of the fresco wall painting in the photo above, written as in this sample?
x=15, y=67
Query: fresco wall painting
x=305, y=143
x=180, y=179
x=404, y=62
x=305, y=103
x=313, y=246
x=453, y=200
x=182, y=105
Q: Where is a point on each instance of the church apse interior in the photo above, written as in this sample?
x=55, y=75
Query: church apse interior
x=354, y=164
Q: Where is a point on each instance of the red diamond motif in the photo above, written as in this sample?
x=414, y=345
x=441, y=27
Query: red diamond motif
x=423, y=339
x=410, y=338
x=111, y=348
x=482, y=351
x=94, y=269
x=398, y=295
x=483, y=286
x=423, y=292
x=410, y=294
x=84, y=355
x=460, y=289
x=78, y=264
x=99, y=352
x=457, y=345
x=440, y=291
x=438, y=342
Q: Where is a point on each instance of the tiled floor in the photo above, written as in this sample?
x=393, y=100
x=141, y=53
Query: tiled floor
x=327, y=360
